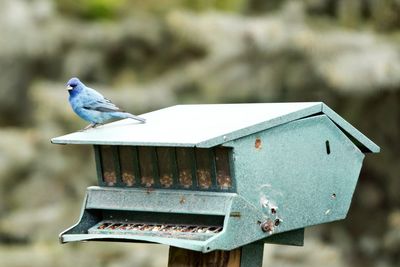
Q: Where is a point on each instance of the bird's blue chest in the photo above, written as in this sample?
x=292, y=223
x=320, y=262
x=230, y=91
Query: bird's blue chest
x=77, y=100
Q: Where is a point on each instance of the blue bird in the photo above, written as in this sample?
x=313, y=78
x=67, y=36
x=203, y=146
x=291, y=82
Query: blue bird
x=93, y=107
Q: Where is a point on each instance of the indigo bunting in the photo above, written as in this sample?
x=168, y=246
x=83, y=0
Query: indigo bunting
x=91, y=106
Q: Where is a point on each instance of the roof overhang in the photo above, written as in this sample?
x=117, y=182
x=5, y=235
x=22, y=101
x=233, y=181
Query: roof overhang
x=209, y=125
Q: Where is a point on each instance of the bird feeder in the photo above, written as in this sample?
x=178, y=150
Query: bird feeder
x=220, y=177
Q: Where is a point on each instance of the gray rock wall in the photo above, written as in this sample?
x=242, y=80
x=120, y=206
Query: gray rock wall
x=153, y=56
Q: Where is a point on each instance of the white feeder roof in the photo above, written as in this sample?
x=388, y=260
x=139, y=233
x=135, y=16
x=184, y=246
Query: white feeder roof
x=207, y=125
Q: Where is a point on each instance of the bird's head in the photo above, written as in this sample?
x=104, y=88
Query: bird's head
x=72, y=83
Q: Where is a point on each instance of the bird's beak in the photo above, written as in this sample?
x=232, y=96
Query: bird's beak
x=69, y=87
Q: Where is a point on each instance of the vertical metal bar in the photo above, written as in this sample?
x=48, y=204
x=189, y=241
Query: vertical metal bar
x=175, y=171
x=195, y=183
x=231, y=157
x=117, y=165
x=156, y=172
x=97, y=159
x=252, y=255
x=136, y=167
x=214, y=185
x=224, y=179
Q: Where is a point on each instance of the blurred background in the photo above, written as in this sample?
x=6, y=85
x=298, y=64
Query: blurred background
x=145, y=55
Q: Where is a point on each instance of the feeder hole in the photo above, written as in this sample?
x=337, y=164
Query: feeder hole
x=328, y=148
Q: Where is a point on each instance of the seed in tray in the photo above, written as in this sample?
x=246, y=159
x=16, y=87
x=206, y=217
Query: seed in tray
x=115, y=226
x=124, y=227
x=104, y=225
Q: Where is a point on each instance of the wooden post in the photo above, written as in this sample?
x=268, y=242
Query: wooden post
x=247, y=256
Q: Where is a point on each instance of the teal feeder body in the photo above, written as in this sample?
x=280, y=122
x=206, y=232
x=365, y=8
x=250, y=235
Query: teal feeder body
x=219, y=177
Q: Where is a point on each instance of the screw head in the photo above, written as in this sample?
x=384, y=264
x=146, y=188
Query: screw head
x=267, y=226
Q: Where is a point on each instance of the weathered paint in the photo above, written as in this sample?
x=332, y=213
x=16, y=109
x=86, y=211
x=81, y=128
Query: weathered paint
x=291, y=167
x=296, y=182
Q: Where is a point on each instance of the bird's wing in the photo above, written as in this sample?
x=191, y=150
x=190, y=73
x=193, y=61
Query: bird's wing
x=95, y=101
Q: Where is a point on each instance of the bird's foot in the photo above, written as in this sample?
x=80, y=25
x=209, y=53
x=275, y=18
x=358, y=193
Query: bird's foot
x=90, y=126
x=97, y=125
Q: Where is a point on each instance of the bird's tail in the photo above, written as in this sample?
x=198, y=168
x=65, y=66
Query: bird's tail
x=131, y=116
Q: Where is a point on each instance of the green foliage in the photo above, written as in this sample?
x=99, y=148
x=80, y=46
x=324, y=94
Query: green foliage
x=223, y=5
x=385, y=14
x=92, y=9
x=349, y=13
x=109, y=9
